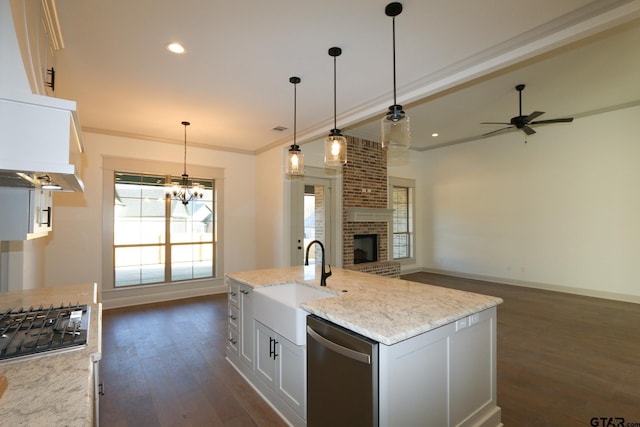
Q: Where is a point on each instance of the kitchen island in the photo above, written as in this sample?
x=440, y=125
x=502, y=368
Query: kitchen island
x=54, y=388
x=437, y=345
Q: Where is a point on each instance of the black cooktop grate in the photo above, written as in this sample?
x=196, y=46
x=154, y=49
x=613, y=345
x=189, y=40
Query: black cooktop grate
x=36, y=330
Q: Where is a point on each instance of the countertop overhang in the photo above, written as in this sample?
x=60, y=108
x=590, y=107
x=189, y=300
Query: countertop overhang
x=52, y=388
x=384, y=309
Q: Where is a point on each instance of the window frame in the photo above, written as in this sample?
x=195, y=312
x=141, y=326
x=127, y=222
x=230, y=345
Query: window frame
x=410, y=185
x=111, y=165
x=157, y=184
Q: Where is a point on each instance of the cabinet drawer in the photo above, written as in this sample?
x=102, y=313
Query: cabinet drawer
x=232, y=292
x=233, y=341
x=234, y=316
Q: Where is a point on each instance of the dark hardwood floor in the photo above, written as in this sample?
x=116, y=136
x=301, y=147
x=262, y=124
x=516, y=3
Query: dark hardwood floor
x=164, y=365
x=562, y=360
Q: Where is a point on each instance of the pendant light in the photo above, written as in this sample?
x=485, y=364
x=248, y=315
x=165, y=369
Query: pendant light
x=183, y=191
x=395, y=124
x=295, y=158
x=335, y=145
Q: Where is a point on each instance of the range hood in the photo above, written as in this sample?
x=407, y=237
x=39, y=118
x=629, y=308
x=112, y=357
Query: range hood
x=41, y=143
x=40, y=138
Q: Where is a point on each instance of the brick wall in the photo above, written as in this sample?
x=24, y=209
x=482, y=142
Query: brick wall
x=364, y=179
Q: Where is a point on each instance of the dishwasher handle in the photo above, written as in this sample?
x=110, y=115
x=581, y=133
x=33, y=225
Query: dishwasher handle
x=347, y=352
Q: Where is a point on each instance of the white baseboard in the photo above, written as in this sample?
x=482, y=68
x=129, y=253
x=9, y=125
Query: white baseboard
x=536, y=285
x=130, y=297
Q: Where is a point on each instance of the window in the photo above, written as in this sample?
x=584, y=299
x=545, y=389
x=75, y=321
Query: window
x=157, y=239
x=403, y=219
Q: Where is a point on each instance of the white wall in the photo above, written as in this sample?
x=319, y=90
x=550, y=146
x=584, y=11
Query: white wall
x=74, y=251
x=559, y=212
x=271, y=213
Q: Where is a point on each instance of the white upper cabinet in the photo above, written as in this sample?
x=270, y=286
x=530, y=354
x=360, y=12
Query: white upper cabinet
x=26, y=214
x=39, y=37
x=43, y=142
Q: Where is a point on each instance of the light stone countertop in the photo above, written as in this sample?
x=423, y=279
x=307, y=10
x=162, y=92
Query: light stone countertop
x=52, y=388
x=381, y=308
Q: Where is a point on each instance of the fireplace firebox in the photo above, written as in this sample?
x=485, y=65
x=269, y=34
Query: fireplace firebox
x=365, y=248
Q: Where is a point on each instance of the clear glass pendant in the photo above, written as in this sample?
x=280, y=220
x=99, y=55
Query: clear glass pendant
x=295, y=161
x=335, y=149
x=396, y=132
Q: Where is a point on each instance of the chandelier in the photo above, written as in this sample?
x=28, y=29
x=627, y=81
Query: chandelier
x=185, y=191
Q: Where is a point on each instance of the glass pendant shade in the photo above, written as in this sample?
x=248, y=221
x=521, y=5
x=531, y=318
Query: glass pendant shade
x=335, y=149
x=335, y=144
x=295, y=161
x=396, y=131
x=295, y=158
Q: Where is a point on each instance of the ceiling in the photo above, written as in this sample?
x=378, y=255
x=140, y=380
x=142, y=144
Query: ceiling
x=457, y=65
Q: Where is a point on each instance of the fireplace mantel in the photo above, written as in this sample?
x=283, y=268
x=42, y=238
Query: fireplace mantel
x=369, y=214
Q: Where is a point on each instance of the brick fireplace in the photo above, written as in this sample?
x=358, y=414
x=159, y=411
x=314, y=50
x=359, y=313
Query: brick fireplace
x=365, y=210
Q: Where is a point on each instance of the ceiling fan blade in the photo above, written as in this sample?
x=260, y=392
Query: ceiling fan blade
x=528, y=130
x=495, y=123
x=533, y=115
x=495, y=132
x=546, y=122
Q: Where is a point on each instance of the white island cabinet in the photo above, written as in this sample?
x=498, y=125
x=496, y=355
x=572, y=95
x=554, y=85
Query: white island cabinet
x=445, y=377
x=281, y=364
x=273, y=365
x=437, y=347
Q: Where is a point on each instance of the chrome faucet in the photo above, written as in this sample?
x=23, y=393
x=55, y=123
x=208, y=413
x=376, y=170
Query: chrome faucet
x=323, y=274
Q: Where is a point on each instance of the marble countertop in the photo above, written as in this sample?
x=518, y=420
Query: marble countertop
x=55, y=388
x=384, y=309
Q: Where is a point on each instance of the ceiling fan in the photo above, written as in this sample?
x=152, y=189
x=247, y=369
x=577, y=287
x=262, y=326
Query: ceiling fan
x=524, y=122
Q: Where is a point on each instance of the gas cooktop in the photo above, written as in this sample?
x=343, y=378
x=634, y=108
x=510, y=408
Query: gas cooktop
x=25, y=332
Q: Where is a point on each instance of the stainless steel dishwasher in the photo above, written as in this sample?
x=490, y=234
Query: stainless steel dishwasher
x=342, y=376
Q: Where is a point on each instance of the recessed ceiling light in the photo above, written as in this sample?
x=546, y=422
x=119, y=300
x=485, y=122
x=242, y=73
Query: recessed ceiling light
x=175, y=48
x=434, y=134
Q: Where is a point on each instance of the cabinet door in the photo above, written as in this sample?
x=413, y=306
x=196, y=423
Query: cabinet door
x=245, y=303
x=292, y=375
x=41, y=213
x=26, y=214
x=266, y=348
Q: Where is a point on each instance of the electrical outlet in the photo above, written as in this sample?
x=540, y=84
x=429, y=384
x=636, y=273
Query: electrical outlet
x=474, y=318
x=462, y=323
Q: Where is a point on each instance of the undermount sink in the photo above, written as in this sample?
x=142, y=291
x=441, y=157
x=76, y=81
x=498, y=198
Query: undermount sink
x=278, y=307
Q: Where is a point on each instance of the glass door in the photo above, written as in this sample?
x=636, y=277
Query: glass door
x=311, y=208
